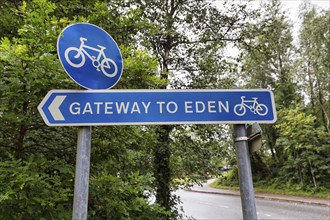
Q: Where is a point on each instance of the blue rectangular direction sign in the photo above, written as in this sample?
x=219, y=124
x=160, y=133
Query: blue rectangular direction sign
x=133, y=107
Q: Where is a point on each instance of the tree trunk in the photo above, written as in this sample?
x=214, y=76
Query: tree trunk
x=313, y=175
x=162, y=170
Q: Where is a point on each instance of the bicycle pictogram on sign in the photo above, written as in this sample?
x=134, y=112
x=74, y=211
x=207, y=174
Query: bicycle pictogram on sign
x=253, y=105
x=101, y=62
x=90, y=56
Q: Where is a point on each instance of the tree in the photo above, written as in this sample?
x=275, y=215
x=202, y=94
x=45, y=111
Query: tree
x=314, y=64
x=270, y=61
x=39, y=160
x=187, y=37
x=306, y=147
x=266, y=57
x=29, y=68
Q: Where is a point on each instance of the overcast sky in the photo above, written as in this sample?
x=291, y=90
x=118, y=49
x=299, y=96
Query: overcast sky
x=292, y=9
x=292, y=6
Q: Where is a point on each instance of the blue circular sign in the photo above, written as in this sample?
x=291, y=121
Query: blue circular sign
x=90, y=56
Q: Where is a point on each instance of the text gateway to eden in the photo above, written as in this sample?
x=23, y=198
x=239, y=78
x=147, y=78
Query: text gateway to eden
x=107, y=108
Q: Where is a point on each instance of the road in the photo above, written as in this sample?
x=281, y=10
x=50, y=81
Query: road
x=205, y=206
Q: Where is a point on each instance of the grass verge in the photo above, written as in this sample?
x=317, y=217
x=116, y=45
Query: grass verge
x=265, y=189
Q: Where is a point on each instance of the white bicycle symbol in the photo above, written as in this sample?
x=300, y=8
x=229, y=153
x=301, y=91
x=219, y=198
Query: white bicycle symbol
x=78, y=60
x=255, y=107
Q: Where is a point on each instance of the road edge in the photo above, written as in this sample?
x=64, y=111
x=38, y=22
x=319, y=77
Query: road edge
x=206, y=188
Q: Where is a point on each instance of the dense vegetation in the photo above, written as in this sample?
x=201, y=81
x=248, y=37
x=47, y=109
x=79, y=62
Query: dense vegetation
x=165, y=44
x=296, y=149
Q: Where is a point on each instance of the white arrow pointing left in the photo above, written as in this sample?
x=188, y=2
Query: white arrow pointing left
x=54, y=108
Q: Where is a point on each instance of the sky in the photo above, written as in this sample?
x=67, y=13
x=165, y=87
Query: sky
x=292, y=6
x=292, y=9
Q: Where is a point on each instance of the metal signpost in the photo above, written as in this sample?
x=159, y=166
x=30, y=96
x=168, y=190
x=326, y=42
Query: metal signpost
x=81, y=185
x=92, y=59
x=245, y=173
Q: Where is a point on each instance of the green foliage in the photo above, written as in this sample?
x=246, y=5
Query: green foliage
x=266, y=57
x=188, y=39
x=29, y=69
x=274, y=187
x=35, y=188
x=121, y=180
x=313, y=63
x=140, y=70
x=228, y=179
x=294, y=152
x=307, y=148
x=114, y=198
x=190, y=143
x=131, y=163
x=10, y=21
x=267, y=54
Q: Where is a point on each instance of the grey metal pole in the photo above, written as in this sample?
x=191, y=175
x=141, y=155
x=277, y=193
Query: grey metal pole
x=245, y=173
x=80, y=201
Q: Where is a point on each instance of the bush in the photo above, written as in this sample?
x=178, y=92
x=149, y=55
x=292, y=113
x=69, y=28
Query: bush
x=113, y=198
x=230, y=178
x=35, y=189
